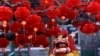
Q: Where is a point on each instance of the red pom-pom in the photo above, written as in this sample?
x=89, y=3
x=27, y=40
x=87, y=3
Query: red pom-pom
x=64, y=32
x=88, y=28
x=98, y=17
x=42, y=40
x=15, y=27
x=72, y=15
x=22, y=13
x=41, y=27
x=5, y=13
x=51, y=24
x=33, y=20
x=54, y=31
x=73, y=3
x=64, y=10
x=93, y=7
x=53, y=13
x=3, y=42
x=20, y=39
x=47, y=2
x=26, y=3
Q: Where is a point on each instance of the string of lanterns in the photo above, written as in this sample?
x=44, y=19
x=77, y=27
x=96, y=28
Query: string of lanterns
x=23, y=24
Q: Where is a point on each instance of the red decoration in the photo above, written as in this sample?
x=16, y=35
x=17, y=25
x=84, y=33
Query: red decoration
x=64, y=10
x=51, y=24
x=71, y=43
x=3, y=42
x=93, y=7
x=26, y=3
x=88, y=28
x=54, y=31
x=76, y=23
x=21, y=39
x=98, y=17
x=22, y=13
x=5, y=13
x=15, y=27
x=73, y=3
x=33, y=20
x=72, y=15
x=42, y=40
x=53, y=14
x=47, y=2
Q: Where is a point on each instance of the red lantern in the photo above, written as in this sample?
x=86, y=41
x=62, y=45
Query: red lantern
x=93, y=7
x=54, y=31
x=73, y=3
x=33, y=20
x=88, y=28
x=5, y=13
x=42, y=40
x=47, y=2
x=26, y=3
x=64, y=10
x=3, y=42
x=22, y=13
x=98, y=17
x=72, y=15
x=21, y=40
x=97, y=1
x=15, y=27
x=53, y=14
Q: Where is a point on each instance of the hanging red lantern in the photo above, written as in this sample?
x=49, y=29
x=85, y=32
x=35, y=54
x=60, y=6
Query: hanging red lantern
x=72, y=15
x=21, y=40
x=42, y=40
x=47, y=2
x=54, y=31
x=5, y=13
x=88, y=28
x=64, y=10
x=76, y=23
x=15, y=27
x=98, y=17
x=73, y=3
x=25, y=3
x=53, y=14
x=3, y=42
x=93, y=7
x=22, y=13
x=33, y=20
x=51, y=23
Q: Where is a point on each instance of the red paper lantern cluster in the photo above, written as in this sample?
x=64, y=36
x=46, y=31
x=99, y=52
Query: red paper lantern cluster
x=5, y=13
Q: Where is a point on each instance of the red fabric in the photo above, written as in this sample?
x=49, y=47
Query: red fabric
x=71, y=43
x=5, y=13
